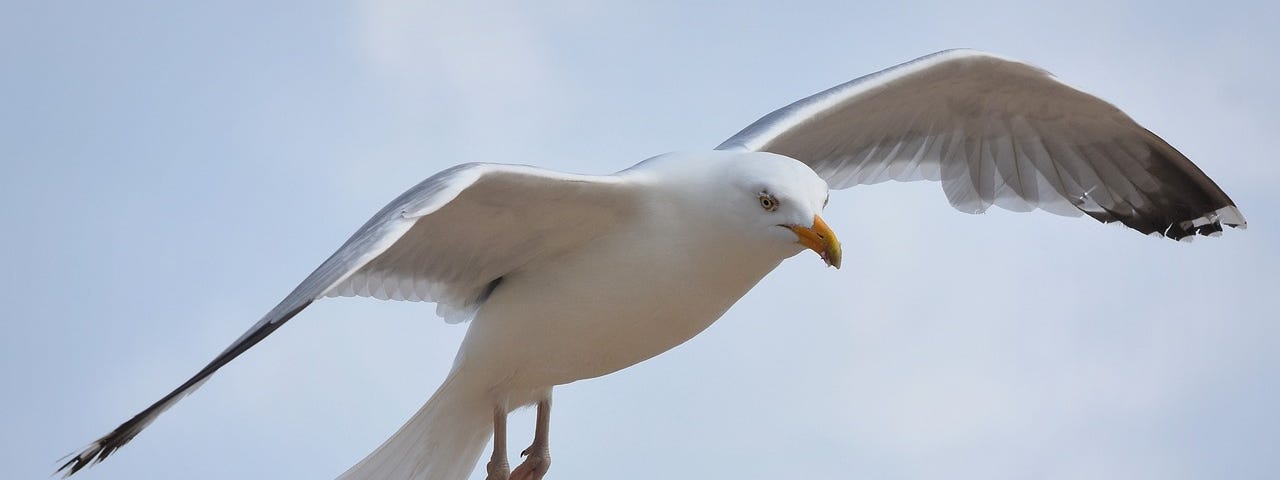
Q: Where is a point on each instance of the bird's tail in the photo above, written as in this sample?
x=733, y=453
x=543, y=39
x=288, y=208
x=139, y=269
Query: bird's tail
x=442, y=441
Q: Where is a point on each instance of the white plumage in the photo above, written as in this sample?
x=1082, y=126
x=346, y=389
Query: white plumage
x=566, y=277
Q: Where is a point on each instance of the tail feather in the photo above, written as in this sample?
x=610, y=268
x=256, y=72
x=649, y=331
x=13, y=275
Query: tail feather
x=442, y=441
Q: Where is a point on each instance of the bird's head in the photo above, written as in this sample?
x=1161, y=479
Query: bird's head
x=784, y=199
x=764, y=201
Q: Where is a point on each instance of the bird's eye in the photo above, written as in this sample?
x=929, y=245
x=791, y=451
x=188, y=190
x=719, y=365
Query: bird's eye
x=768, y=202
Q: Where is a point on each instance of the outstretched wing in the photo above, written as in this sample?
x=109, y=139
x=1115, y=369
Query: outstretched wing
x=449, y=240
x=996, y=132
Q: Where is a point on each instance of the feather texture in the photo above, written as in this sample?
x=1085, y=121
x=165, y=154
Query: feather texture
x=412, y=250
x=996, y=132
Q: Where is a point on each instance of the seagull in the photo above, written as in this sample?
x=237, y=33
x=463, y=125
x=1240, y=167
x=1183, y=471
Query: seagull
x=565, y=277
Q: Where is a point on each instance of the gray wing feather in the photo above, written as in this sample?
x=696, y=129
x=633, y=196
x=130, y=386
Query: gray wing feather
x=449, y=239
x=996, y=132
x=455, y=267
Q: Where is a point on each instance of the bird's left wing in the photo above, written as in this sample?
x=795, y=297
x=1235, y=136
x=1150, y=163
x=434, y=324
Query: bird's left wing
x=450, y=240
x=995, y=132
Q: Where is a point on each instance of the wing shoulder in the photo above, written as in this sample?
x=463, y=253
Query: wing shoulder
x=454, y=245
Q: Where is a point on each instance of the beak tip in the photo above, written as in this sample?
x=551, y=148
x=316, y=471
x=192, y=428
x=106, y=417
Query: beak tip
x=820, y=239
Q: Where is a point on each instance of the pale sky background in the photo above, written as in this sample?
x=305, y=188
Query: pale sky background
x=171, y=171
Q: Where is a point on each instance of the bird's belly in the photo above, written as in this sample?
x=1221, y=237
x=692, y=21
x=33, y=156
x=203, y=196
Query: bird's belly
x=610, y=305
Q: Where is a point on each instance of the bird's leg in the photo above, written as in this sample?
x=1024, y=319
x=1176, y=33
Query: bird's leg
x=538, y=456
x=498, y=468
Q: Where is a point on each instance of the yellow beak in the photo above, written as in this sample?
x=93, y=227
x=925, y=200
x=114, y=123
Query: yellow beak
x=821, y=239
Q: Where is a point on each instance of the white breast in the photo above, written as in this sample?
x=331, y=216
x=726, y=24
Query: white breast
x=622, y=299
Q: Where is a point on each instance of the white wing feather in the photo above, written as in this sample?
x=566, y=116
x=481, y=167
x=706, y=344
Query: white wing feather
x=450, y=240
x=453, y=253
x=995, y=132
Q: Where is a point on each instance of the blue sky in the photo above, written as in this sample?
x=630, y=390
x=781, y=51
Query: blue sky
x=173, y=170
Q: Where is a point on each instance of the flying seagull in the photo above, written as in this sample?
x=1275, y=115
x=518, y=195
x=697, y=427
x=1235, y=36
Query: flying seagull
x=565, y=277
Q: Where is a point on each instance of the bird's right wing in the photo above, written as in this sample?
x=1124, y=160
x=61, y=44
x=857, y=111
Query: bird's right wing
x=448, y=240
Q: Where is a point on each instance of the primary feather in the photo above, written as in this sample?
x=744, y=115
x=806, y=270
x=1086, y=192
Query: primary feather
x=996, y=132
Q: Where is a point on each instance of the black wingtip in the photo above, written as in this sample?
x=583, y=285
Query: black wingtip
x=1210, y=224
x=102, y=448
x=90, y=455
x=99, y=450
